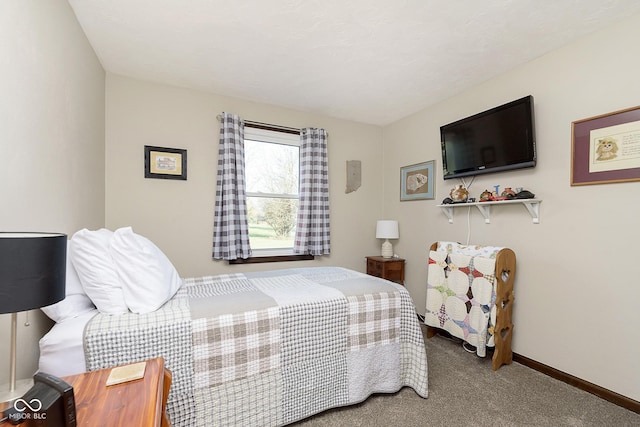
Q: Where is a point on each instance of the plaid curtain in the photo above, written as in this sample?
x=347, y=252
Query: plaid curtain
x=230, y=224
x=312, y=234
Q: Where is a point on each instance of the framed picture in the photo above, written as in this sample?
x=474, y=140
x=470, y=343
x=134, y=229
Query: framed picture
x=606, y=148
x=165, y=163
x=417, y=182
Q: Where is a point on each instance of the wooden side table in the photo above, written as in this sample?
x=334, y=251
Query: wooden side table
x=386, y=268
x=139, y=402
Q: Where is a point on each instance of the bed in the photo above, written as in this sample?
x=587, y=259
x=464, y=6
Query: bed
x=260, y=348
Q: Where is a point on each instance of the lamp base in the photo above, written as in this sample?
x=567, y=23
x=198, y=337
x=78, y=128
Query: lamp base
x=387, y=249
x=22, y=386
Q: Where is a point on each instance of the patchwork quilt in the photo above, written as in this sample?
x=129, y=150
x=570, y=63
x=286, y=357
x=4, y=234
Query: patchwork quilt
x=271, y=348
x=461, y=293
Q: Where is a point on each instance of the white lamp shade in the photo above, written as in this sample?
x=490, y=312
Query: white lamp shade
x=387, y=230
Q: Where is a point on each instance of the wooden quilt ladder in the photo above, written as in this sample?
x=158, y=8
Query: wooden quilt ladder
x=505, y=272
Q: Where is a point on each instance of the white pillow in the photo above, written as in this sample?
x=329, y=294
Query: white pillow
x=148, y=277
x=91, y=257
x=75, y=303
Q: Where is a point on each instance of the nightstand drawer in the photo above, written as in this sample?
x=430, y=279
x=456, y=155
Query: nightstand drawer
x=386, y=268
x=394, y=272
x=374, y=268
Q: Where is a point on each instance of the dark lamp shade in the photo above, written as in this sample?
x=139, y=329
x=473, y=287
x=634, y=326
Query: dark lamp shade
x=32, y=270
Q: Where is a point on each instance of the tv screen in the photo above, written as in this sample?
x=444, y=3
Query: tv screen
x=495, y=140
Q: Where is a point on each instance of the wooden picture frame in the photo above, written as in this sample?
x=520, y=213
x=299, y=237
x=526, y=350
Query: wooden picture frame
x=606, y=148
x=417, y=182
x=165, y=163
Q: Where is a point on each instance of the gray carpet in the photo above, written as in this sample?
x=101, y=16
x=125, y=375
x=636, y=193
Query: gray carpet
x=464, y=391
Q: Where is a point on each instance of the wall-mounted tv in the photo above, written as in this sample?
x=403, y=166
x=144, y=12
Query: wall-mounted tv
x=499, y=139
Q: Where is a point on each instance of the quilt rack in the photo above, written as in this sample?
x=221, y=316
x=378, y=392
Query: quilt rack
x=505, y=269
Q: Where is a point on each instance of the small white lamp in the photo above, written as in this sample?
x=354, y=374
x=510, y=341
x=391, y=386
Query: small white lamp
x=387, y=230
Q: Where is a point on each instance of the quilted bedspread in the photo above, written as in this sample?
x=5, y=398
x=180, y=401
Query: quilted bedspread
x=271, y=348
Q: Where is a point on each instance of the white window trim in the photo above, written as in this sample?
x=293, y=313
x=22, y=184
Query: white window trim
x=264, y=135
x=284, y=138
x=272, y=252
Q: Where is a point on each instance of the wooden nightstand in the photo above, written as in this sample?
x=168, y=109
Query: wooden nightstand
x=386, y=268
x=135, y=403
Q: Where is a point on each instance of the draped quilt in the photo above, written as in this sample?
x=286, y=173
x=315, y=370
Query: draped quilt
x=461, y=293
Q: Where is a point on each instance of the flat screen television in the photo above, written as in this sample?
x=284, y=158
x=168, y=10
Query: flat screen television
x=499, y=139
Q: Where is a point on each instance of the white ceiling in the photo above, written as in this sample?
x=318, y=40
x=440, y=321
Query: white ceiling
x=372, y=61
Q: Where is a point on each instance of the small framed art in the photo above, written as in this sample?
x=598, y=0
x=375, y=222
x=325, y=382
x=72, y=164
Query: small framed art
x=165, y=163
x=417, y=181
x=606, y=148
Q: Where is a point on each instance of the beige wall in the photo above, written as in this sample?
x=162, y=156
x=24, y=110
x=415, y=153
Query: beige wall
x=51, y=139
x=178, y=215
x=577, y=295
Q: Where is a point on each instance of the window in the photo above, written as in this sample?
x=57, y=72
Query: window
x=272, y=178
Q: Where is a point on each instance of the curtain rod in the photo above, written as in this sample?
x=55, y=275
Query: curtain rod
x=267, y=126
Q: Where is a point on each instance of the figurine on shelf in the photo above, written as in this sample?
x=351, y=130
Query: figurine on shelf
x=525, y=194
x=508, y=193
x=459, y=194
x=486, y=196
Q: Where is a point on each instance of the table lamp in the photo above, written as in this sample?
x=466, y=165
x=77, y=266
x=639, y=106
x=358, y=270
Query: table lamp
x=32, y=275
x=387, y=230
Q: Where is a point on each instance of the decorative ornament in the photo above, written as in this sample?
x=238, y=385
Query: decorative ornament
x=459, y=194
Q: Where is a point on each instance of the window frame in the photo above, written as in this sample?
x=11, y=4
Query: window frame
x=262, y=132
